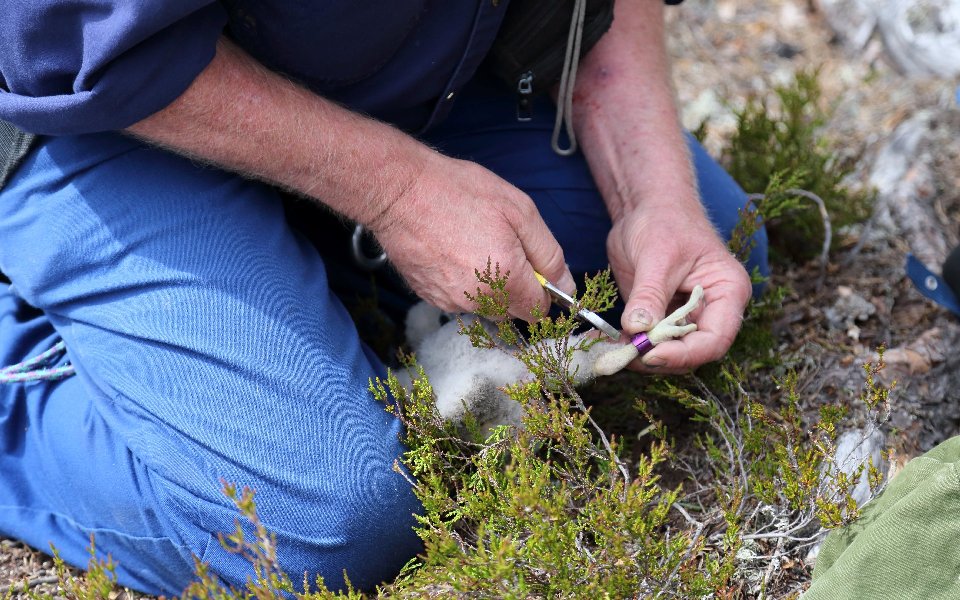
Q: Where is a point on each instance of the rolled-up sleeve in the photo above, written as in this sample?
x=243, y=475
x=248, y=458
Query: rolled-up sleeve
x=80, y=66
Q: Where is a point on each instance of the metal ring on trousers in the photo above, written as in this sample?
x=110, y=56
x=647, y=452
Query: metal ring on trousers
x=368, y=263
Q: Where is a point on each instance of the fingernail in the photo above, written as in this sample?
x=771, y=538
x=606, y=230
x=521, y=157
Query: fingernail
x=639, y=320
x=567, y=283
x=653, y=362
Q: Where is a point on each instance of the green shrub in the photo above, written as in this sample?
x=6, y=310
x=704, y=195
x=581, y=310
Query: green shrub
x=771, y=142
x=555, y=509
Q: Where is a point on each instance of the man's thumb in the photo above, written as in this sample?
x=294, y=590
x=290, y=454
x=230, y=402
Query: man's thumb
x=645, y=307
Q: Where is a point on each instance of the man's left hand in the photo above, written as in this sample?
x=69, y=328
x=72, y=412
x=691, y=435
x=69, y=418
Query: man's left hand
x=659, y=252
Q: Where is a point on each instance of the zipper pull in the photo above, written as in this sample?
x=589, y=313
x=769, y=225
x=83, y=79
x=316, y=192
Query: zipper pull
x=525, y=97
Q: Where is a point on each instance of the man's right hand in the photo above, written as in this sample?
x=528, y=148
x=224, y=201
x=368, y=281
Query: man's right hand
x=438, y=218
x=451, y=219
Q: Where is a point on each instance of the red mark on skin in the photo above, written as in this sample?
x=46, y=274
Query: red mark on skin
x=585, y=101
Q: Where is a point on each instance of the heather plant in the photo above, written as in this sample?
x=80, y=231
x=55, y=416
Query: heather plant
x=785, y=135
x=98, y=583
x=550, y=508
x=556, y=509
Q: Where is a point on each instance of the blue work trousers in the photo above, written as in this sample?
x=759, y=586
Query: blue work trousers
x=208, y=346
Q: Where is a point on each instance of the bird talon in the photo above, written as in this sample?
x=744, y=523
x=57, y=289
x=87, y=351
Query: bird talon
x=673, y=326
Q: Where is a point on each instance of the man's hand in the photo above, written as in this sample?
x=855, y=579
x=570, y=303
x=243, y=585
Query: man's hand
x=661, y=244
x=457, y=215
x=656, y=252
x=437, y=218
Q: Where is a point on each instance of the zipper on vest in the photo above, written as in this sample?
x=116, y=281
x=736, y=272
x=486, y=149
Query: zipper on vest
x=525, y=97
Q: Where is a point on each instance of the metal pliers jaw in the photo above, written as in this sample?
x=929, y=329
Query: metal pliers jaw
x=565, y=300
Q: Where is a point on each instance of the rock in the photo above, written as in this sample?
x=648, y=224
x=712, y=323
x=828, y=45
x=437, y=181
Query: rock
x=706, y=107
x=906, y=184
x=859, y=447
x=727, y=10
x=853, y=21
x=849, y=308
x=922, y=36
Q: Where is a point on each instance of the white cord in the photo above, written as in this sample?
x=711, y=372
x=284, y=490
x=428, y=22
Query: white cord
x=568, y=78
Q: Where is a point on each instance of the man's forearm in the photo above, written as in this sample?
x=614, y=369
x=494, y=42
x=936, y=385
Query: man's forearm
x=438, y=218
x=240, y=116
x=625, y=114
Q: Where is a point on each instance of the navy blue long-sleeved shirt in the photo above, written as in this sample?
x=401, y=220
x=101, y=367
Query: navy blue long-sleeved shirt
x=79, y=66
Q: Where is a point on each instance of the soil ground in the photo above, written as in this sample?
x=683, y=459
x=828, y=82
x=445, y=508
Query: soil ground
x=726, y=51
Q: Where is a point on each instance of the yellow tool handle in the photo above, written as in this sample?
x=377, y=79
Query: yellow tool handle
x=541, y=279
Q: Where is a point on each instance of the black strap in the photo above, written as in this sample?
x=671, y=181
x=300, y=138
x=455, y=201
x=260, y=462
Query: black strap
x=14, y=145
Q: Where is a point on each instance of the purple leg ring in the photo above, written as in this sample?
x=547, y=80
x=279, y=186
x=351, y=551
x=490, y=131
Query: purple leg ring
x=642, y=342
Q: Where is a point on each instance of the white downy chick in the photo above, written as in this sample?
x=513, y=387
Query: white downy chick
x=467, y=378
x=464, y=377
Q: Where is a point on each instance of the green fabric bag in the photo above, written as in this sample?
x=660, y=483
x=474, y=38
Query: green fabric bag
x=906, y=544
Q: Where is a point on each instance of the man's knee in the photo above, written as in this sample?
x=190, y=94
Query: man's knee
x=367, y=539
